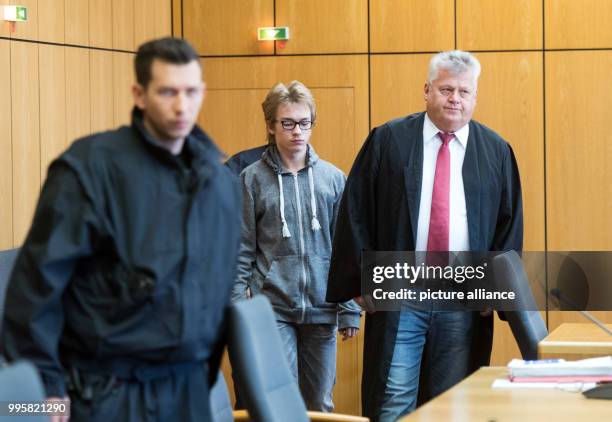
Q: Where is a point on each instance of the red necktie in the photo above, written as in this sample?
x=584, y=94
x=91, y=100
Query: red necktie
x=437, y=240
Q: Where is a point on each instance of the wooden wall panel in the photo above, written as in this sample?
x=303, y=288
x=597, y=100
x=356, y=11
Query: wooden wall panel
x=579, y=144
x=499, y=24
x=177, y=18
x=100, y=23
x=397, y=83
x=517, y=78
x=246, y=103
x=101, y=85
x=51, y=20
x=76, y=22
x=578, y=24
x=342, y=28
x=230, y=27
x=152, y=19
x=163, y=18
x=123, y=24
x=349, y=369
x=329, y=131
x=411, y=25
x=27, y=30
x=52, y=104
x=262, y=73
x=123, y=79
x=78, y=106
x=25, y=135
x=6, y=160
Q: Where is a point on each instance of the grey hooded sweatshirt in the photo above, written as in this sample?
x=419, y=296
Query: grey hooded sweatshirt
x=287, y=227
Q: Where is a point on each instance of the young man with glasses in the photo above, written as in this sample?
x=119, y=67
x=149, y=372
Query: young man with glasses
x=291, y=200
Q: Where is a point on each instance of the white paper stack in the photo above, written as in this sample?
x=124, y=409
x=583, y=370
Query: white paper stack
x=559, y=370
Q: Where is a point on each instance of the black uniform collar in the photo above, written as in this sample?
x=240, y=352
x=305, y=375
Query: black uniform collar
x=199, y=146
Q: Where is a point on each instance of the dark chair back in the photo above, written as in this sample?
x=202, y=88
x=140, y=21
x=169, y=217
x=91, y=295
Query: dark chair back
x=220, y=404
x=527, y=324
x=7, y=259
x=20, y=383
x=264, y=381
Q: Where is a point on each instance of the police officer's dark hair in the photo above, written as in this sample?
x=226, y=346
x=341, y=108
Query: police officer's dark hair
x=168, y=49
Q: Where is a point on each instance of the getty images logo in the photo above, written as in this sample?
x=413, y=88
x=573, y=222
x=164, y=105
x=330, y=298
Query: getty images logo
x=412, y=273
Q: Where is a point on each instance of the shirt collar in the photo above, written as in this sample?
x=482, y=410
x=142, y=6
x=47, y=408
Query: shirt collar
x=430, y=132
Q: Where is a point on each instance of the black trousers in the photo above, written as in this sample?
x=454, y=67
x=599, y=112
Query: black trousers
x=180, y=396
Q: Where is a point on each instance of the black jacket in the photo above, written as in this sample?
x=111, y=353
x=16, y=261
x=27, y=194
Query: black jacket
x=379, y=212
x=131, y=256
x=243, y=159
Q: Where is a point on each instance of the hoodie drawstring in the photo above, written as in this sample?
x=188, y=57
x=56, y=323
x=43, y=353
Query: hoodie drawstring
x=286, y=232
x=313, y=204
x=314, y=223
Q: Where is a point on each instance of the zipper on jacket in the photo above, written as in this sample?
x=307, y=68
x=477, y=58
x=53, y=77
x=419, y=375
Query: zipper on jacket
x=299, y=210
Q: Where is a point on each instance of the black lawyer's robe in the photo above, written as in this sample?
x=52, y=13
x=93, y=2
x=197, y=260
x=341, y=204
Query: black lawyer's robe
x=379, y=211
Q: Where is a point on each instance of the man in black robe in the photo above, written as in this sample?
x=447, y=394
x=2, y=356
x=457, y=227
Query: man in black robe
x=390, y=204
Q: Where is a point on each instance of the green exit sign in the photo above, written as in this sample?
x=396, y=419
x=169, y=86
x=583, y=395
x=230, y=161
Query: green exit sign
x=273, y=33
x=15, y=13
x=22, y=13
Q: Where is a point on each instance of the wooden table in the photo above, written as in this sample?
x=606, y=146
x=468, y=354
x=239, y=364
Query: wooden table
x=474, y=400
x=576, y=341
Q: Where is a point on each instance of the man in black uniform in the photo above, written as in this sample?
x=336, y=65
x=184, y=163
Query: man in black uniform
x=119, y=292
x=243, y=159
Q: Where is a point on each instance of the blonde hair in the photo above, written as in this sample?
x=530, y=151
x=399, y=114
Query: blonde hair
x=295, y=93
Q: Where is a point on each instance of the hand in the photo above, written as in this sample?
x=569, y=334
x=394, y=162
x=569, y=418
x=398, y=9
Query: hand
x=348, y=332
x=249, y=294
x=58, y=418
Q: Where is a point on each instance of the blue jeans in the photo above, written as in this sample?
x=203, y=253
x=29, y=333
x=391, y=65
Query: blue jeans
x=441, y=341
x=311, y=354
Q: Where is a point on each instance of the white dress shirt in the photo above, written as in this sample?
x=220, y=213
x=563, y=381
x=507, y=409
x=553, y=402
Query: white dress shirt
x=458, y=231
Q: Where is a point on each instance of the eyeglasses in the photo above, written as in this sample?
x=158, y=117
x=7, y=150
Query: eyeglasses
x=291, y=124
